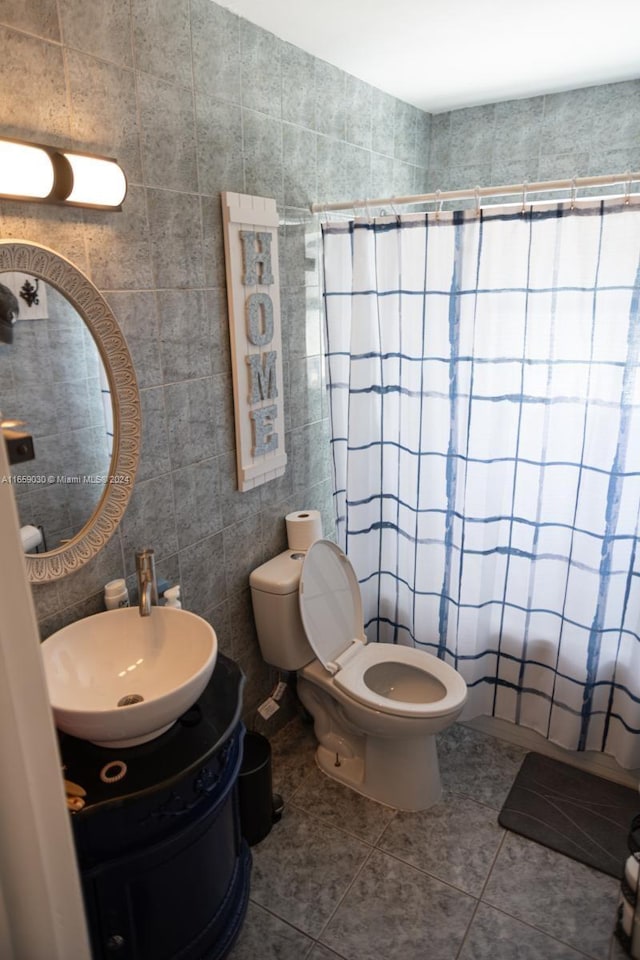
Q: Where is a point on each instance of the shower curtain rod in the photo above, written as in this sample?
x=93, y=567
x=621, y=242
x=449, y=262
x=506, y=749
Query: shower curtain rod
x=478, y=193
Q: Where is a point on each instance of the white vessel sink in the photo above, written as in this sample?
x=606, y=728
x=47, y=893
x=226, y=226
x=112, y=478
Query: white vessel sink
x=119, y=679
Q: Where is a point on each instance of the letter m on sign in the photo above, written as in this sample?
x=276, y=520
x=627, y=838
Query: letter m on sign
x=262, y=376
x=253, y=297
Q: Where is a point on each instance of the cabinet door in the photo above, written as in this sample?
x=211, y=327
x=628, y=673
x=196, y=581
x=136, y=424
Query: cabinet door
x=169, y=902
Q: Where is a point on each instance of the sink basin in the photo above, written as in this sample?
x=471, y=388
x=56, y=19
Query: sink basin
x=118, y=679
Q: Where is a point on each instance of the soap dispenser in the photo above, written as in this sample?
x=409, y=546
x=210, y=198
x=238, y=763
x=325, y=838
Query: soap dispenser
x=172, y=597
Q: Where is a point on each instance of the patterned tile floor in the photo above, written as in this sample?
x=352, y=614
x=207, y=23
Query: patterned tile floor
x=343, y=877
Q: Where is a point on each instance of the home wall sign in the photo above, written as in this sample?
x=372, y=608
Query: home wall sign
x=253, y=295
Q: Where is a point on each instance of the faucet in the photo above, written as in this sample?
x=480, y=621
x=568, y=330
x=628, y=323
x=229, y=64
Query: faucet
x=147, y=586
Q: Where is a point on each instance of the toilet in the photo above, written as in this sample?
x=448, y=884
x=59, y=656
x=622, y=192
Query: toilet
x=376, y=707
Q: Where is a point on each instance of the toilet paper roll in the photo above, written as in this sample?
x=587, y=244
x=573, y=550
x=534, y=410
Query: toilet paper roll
x=31, y=538
x=303, y=528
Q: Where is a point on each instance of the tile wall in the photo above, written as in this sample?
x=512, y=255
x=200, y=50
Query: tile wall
x=193, y=100
x=578, y=133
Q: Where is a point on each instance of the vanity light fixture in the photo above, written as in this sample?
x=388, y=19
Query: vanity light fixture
x=32, y=171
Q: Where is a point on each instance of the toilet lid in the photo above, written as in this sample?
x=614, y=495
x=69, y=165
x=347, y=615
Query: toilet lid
x=330, y=601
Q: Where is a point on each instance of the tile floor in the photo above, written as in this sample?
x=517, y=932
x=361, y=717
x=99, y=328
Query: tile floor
x=343, y=877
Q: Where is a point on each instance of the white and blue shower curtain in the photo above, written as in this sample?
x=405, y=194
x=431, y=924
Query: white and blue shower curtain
x=484, y=390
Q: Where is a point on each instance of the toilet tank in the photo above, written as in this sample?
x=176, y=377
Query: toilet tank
x=274, y=595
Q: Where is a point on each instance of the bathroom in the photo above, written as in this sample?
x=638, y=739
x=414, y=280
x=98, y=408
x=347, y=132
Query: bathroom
x=193, y=100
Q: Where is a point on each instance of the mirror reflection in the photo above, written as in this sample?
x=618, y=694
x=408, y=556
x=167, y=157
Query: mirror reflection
x=53, y=379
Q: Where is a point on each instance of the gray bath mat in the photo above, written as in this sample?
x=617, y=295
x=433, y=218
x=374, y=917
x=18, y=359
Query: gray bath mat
x=578, y=814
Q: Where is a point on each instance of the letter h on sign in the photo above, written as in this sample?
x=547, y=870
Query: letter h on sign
x=254, y=257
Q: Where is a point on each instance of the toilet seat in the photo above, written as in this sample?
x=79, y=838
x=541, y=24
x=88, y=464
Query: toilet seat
x=352, y=678
x=331, y=612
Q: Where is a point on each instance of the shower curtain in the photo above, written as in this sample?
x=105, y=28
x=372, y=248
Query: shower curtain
x=485, y=411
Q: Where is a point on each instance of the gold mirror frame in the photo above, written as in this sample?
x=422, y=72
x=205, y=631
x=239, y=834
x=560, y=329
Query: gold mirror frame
x=25, y=257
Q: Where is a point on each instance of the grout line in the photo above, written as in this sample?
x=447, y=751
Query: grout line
x=526, y=923
x=580, y=952
x=292, y=795
x=315, y=816
x=332, y=950
x=364, y=863
x=481, y=894
x=493, y=863
x=288, y=923
x=371, y=850
x=467, y=931
x=375, y=845
x=327, y=823
x=465, y=795
x=380, y=836
x=425, y=873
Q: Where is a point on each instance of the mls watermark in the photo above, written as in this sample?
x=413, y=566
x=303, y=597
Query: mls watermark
x=50, y=479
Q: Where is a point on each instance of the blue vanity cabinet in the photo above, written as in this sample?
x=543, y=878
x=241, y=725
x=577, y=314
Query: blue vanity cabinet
x=165, y=870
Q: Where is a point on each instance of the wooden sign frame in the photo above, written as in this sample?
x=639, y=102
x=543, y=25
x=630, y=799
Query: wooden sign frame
x=253, y=294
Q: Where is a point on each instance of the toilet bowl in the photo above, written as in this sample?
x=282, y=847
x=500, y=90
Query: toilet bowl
x=376, y=706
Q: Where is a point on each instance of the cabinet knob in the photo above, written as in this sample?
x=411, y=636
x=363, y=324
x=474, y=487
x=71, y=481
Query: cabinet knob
x=116, y=942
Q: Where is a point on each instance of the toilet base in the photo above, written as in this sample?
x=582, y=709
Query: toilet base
x=347, y=770
x=405, y=776
x=382, y=758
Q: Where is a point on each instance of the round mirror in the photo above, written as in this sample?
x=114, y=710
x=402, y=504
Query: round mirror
x=66, y=372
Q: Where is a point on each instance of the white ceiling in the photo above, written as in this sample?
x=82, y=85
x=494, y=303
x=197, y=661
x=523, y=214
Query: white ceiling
x=444, y=54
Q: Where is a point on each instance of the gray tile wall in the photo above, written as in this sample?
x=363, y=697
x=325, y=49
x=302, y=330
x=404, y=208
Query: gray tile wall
x=578, y=133
x=193, y=100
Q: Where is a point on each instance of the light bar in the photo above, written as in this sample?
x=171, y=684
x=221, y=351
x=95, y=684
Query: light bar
x=32, y=171
x=25, y=171
x=96, y=182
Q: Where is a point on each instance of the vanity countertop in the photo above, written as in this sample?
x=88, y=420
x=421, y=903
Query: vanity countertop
x=161, y=763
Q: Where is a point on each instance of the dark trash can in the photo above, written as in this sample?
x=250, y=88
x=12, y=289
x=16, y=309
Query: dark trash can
x=259, y=807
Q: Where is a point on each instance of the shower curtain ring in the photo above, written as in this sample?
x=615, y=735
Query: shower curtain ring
x=574, y=190
x=524, y=197
x=438, y=203
x=627, y=188
x=476, y=193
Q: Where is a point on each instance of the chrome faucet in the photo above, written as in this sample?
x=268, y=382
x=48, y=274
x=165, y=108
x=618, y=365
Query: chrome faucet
x=147, y=585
